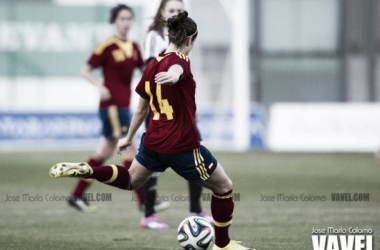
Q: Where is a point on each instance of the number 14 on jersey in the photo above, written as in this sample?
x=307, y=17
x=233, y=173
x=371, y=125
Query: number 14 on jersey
x=164, y=106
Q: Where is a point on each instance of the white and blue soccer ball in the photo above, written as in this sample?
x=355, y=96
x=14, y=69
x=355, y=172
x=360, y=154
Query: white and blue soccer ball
x=195, y=233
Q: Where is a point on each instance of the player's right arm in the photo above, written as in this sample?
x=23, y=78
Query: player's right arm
x=87, y=74
x=138, y=118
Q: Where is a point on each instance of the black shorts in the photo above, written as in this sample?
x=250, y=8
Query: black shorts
x=196, y=165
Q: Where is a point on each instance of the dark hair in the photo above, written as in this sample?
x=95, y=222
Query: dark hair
x=158, y=22
x=181, y=27
x=116, y=10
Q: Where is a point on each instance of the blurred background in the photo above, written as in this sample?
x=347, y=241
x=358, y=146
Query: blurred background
x=299, y=75
x=272, y=76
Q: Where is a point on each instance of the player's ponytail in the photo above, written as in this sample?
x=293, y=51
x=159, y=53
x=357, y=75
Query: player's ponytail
x=181, y=27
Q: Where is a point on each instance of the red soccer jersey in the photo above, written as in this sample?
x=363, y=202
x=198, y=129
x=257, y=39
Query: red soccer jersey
x=118, y=59
x=172, y=126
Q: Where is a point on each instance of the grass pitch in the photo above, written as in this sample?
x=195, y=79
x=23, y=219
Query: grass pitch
x=286, y=225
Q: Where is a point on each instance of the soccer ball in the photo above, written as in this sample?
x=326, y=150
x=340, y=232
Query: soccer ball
x=195, y=233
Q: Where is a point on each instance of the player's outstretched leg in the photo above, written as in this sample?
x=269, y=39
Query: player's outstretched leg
x=222, y=207
x=127, y=160
x=112, y=175
x=140, y=191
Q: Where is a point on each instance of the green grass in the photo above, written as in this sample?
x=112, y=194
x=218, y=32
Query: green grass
x=263, y=225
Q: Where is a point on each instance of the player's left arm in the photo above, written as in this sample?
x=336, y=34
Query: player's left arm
x=171, y=76
x=138, y=118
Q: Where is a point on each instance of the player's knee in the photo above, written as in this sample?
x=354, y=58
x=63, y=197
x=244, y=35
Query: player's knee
x=228, y=185
x=135, y=184
x=225, y=186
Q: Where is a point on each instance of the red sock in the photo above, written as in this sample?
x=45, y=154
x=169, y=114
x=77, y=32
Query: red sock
x=222, y=207
x=140, y=191
x=113, y=175
x=83, y=184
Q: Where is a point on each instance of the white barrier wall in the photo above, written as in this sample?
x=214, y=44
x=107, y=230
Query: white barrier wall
x=324, y=127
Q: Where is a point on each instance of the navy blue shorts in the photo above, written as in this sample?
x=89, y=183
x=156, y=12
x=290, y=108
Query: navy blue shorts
x=115, y=121
x=196, y=165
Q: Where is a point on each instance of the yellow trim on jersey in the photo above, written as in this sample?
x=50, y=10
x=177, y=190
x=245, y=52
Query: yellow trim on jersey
x=159, y=58
x=223, y=197
x=118, y=55
x=182, y=56
x=115, y=123
x=156, y=115
x=115, y=173
x=126, y=47
x=222, y=224
x=102, y=46
x=196, y=165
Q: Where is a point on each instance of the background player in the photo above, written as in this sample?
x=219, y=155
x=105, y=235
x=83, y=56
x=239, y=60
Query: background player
x=118, y=57
x=167, y=88
x=156, y=42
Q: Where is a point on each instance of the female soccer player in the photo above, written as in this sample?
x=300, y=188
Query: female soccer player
x=156, y=42
x=167, y=91
x=157, y=39
x=117, y=57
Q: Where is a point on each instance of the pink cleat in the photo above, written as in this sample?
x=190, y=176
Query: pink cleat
x=204, y=215
x=153, y=222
